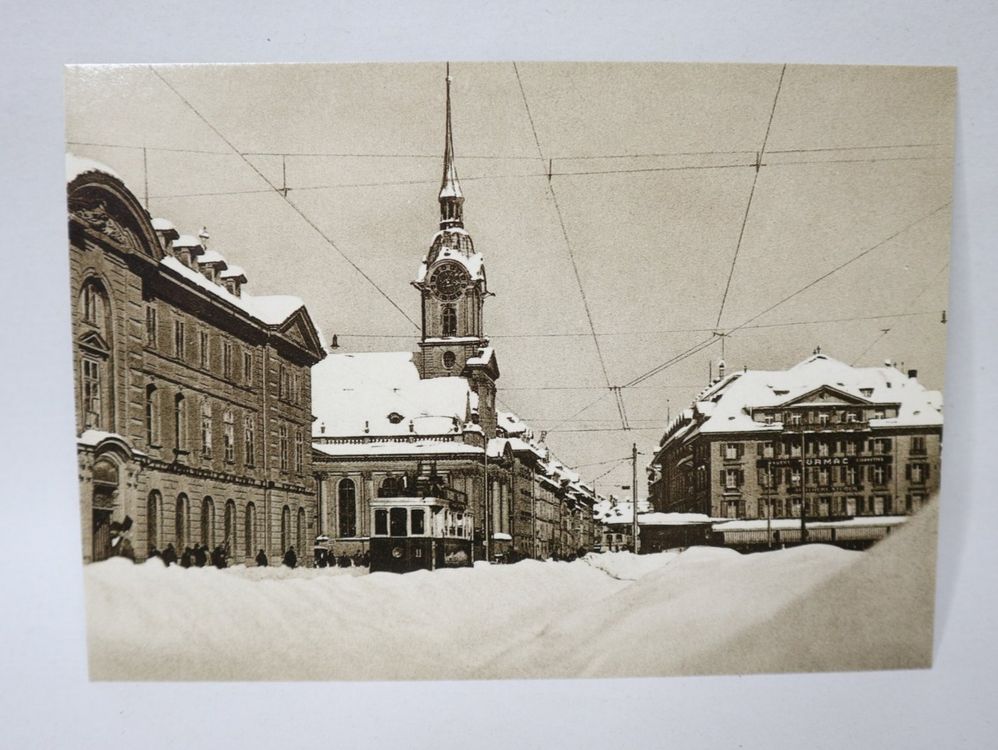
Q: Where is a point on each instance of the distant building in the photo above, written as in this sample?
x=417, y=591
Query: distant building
x=870, y=440
x=383, y=420
x=193, y=397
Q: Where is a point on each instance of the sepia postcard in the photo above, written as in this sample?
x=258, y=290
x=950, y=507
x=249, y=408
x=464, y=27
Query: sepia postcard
x=507, y=370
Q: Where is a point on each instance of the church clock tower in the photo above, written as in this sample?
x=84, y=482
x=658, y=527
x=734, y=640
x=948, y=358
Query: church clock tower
x=453, y=288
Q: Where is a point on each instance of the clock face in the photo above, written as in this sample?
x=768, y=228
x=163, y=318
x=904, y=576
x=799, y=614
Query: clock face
x=449, y=281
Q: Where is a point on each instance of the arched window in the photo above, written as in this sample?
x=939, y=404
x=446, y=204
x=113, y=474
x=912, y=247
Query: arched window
x=230, y=526
x=182, y=521
x=180, y=422
x=152, y=416
x=448, y=320
x=208, y=522
x=285, y=528
x=301, y=528
x=249, y=530
x=154, y=511
x=347, y=495
x=93, y=303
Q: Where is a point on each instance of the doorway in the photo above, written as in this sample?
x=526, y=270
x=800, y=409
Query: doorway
x=101, y=535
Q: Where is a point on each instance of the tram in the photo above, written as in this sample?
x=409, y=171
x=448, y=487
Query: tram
x=419, y=533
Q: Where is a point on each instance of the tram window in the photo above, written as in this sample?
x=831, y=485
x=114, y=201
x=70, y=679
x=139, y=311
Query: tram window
x=397, y=522
x=381, y=522
x=418, y=523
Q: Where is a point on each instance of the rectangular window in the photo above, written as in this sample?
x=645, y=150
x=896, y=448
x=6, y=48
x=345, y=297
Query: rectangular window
x=227, y=359
x=178, y=339
x=824, y=477
x=918, y=445
x=730, y=479
x=794, y=419
x=824, y=450
x=282, y=433
x=731, y=451
x=295, y=389
x=249, y=440
x=418, y=521
x=229, y=437
x=851, y=477
x=282, y=382
x=151, y=325
x=767, y=450
x=206, y=435
x=397, y=522
x=878, y=475
x=91, y=393
x=205, y=350
x=299, y=451
x=248, y=368
x=381, y=522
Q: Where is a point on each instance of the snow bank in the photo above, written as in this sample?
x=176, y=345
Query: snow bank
x=704, y=610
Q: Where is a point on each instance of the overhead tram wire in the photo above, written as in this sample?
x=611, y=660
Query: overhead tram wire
x=568, y=244
x=748, y=204
x=287, y=200
x=657, y=332
x=897, y=319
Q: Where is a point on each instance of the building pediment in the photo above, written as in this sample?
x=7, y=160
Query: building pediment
x=94, y=342
x=826, y=394
x=300, y=330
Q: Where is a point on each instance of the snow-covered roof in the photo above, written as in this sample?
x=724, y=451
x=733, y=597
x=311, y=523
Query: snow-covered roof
x=672, y=519
x=397, y=448
x=356, y=394
x=163, y=225
x=726, y=406
x=780, y=524
x=211, y=256
x=77, y=165
x=510, y=423
x=271, y=310
x=233, y=272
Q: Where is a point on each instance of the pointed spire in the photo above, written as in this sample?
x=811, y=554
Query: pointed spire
x=451, y=198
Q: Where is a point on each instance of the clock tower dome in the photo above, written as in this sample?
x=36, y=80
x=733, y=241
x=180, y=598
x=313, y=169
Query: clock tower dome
x=453, y=288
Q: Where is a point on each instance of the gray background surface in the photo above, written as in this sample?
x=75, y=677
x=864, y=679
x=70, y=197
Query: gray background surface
x=47, y=700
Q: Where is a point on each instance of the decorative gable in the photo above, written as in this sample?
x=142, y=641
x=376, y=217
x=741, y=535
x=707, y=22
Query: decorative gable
x=298, y=329
x=827, y=395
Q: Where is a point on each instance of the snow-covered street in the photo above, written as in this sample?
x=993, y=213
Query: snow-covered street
x=704, y=610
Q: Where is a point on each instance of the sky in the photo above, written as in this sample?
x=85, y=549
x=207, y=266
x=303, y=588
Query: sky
x=649, y=204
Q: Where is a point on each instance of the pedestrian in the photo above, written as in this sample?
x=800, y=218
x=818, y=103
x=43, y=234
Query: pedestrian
x=343, y=561
x=261, y=559
x=186, y=557
x=290, y=558
x=126, y=550
x=218, y=557
x=365, y=559
x=200, y=554
x=170, y=555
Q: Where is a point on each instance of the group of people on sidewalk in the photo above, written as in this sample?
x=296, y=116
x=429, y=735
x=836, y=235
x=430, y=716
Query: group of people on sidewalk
x=325, y=558
x=197, y=556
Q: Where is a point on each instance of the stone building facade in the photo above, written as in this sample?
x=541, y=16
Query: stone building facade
x=192, y=397
x=846, y=442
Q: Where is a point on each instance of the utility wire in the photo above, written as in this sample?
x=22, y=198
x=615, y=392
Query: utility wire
x=287, y=200
x=748, y=204
x=564, y=234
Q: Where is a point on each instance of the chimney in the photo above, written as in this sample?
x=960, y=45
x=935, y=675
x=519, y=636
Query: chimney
x=233, y=278
x=720, y=370
x=166, y=233
x=204, y=237
x=186, y=249
x=211, y=264
x=912, y=374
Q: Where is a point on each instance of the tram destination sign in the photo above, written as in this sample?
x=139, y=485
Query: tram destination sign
x=794, y=463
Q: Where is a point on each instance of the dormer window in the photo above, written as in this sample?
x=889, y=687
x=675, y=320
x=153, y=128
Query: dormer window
x=395, y=417
x=867, y=392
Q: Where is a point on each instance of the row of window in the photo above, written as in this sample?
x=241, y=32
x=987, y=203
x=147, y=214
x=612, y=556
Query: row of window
x=823, y=417
x=826, y=476
x=234, y=537
x=820, y=447
x=184, y=350
x=206, y=424
x=826, y=506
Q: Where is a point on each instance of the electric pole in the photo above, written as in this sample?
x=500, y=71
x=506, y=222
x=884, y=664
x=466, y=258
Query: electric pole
x=634, y=496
